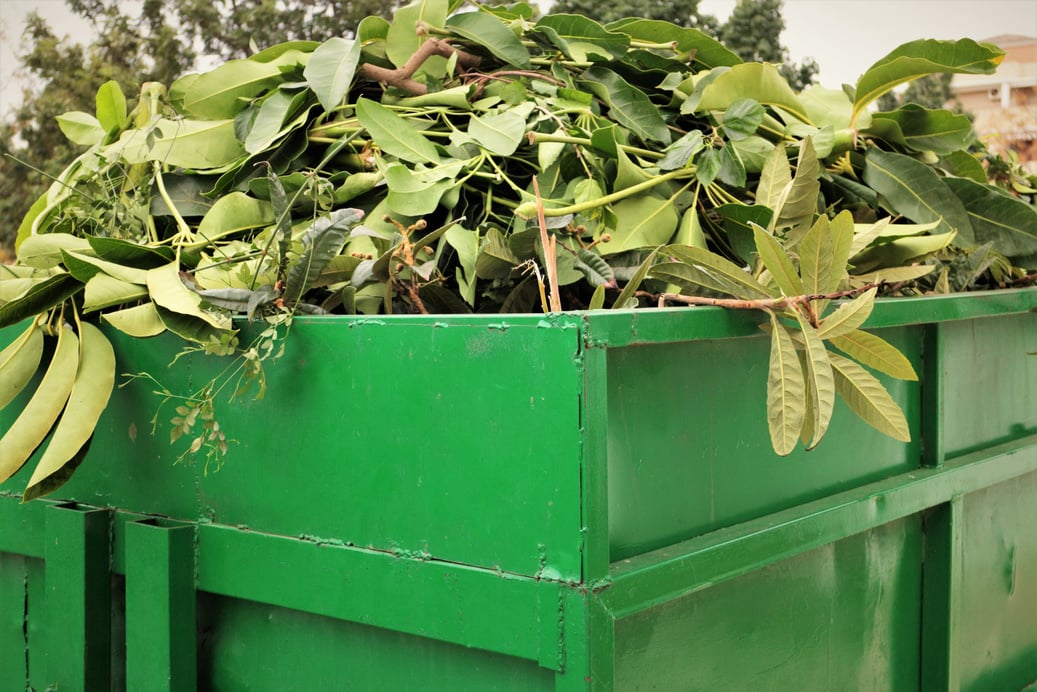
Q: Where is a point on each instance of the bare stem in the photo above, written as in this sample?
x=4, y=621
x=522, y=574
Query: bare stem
x=402, y=77
x=762, y=303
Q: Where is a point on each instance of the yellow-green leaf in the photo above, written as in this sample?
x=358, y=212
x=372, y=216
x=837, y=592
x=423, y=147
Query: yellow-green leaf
x=95, y=378
x=786, y=395
x=139, y=321
x=866, y=397
x=19, y=362
x=875, y=352
x=169, y=292
x=777, y=262
x=819, y=383
x=848, y=316
x=43, y=409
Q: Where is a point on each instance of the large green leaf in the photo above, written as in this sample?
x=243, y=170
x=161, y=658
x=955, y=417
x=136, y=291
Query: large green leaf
x=321, y=242
x=866, y=397
x=19, y=362
x=393, y=134
x=140, y=321
x=225, y=91
x=786, y=392
x=104, y=291
x=270, y=122
x=489, y=32
x=80, y=128
x=582, y=39
x=914, y=190
x=93, y=384
x=645, y=220
x=329, y=71
x=695, y=267
x=758, y=81
x=628, y=105
x=170, y=293
x=39, y=299
x=875, y=352
x=921, y=129
x=693, y=43
x=192, y=144
x=234, y=213
x=110, y=103
x=499, y=133
x=920, y=58
x=1007, y=221
x=402, y=39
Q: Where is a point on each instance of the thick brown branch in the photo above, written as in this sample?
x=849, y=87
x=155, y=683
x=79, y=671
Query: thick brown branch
x=762, y=303
x=402, y=77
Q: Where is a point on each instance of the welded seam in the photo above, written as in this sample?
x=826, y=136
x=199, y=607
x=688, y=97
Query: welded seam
x=25, y=618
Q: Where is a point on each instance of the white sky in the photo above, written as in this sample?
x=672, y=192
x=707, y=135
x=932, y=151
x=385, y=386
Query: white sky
x=844, y=36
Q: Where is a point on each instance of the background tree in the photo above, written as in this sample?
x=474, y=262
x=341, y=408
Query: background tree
x=683, y=12
x=163, y=41
x=753, y=32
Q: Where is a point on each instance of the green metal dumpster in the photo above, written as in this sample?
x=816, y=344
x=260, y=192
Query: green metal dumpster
x=575, y=501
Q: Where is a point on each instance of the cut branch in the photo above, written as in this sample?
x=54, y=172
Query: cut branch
x=763, y=303
x=403, y=77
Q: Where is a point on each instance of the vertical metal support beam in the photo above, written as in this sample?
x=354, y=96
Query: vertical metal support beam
x=590, y=632
x=594, y=465
x=941, y=597
x=933, y=414
x=78, y=598
x=161, y=642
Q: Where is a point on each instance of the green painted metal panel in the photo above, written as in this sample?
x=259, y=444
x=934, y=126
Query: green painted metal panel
x=256, y=648
x=999, y=587
x=844, y=616
x=13, y=602
x=689, y=451
x=990, y=383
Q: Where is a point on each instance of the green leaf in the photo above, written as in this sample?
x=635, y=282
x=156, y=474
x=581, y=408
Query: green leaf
x=489, y=32
x=628, y=106
x=695, y=267
x=80, y=128
x=962, y=164
x=920, y=129
x=43, y=251
x=777, y=263
x=192, y=144
x=848, y=316
x=499, y=133
x=393, y=134
x=19, y=361
x=689, y=231
x=758, y=81
x=103, y=291
x=900, y=252
x=866, y=397
x=800, y=202
x=37, y=418
x=1008, y=221
x=594, y=268
x=225, y=91
x=919, y=58
x=140, y=321
x=269, y=124
x=129, y=253
x=875, y=352
x=644, y=220
x=916, y=192
x=234, y=213
x=495, y=260
x=581, y=39
x=321, y=242
x=786, y=391
x=330, y=70
x=627, y=294
x=742, y=118
x=39, y=299
x=690, y=43
x=681, y=152
x=402, y=39
x=110, y=103
x=93, y=384
x=820, y=384
x=170, y=293
x=597, y=301
x=775, y=179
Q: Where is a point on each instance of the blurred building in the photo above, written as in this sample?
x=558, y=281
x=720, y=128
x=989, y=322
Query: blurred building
x=1005, y=103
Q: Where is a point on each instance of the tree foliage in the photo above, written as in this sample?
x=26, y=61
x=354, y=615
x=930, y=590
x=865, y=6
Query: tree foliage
x=157, y=44
x=753, y=32
x=683, y=12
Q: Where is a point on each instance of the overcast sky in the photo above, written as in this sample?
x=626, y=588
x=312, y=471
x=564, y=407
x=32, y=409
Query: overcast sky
x=844, y=36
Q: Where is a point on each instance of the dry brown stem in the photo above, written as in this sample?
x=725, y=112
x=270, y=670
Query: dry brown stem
x=763, y=303
x=403, y=77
